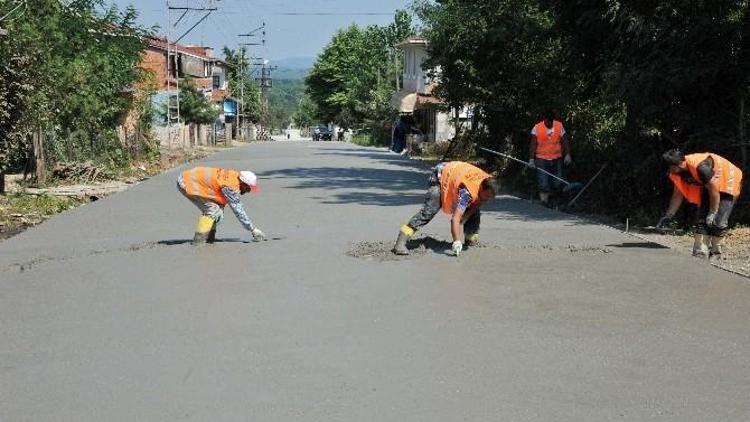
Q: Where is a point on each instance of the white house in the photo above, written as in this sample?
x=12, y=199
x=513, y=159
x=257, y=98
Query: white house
x=415, y=97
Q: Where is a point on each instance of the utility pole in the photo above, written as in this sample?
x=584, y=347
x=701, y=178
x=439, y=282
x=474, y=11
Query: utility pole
x=266, y=83
x=172, y=59
x=243, y=70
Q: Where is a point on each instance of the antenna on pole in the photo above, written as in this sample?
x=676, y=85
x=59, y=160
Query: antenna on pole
x=243, y=71
x=173, y=61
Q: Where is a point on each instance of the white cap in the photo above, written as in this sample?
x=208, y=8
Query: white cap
x=249, y=178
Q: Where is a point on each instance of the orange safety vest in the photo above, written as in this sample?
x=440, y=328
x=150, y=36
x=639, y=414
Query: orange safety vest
x=456, y=174
x=548, y=147
x=728, y=175
x=207, y=182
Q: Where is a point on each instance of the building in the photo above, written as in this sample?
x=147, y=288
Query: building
x=416, y=97
x=208, y=73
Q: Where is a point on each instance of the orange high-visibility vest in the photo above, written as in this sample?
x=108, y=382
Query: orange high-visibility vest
x=548, y=147
x=456, y=174
x=728, y=176
x=207, y=182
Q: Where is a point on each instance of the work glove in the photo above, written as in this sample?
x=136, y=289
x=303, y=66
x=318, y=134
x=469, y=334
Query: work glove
x=457, y=248
x=258, y=235
x=663, y=222
x=532, y=163
x=711, y=219
x=568, y=160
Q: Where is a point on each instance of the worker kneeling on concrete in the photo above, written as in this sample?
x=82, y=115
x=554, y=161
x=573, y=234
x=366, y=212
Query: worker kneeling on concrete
x=712, y=185
x=210, y=189
x=459, y=189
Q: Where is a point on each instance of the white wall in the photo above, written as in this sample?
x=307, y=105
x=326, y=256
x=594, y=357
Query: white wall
x=414, y=76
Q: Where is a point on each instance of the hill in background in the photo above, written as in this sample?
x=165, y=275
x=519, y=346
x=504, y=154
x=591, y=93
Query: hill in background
x=293, y=68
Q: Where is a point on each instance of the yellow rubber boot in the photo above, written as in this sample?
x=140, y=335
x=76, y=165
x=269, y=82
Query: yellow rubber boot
x=471, y=239
x=205, y=224
x=403, y=236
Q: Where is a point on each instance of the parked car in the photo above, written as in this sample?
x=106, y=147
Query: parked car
x=322, y=133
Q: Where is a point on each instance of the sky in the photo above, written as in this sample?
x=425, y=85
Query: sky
x=292, y=29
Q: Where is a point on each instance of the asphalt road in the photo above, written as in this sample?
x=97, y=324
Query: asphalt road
x=108, y=314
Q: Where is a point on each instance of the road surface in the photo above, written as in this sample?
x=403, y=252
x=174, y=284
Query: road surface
x=107, y=312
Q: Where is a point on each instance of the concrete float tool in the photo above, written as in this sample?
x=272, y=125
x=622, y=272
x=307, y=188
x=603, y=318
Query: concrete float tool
x=569, y=186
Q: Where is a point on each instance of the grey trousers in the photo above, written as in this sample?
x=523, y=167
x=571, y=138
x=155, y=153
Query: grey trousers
x=721, y=224
x=208, y=208
x=432, y=205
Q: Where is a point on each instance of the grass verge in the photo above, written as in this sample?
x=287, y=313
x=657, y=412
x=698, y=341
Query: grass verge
x=20, y=211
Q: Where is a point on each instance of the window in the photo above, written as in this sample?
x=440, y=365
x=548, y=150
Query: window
x=217, y=82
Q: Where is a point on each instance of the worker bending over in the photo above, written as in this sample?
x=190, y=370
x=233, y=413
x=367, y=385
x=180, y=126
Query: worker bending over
x=210, y=189
x=460, y=189
x=548, y=145
x=712, y=184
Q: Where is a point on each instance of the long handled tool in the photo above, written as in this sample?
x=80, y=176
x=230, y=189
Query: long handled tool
x=569, y=186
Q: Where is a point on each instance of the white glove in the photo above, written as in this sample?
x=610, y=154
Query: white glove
x=258, y=235
x=532, y=163
x=568, y=160
x=711, y=219
x=457, y=248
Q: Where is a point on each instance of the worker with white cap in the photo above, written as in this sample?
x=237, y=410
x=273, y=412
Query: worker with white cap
x=210, y=189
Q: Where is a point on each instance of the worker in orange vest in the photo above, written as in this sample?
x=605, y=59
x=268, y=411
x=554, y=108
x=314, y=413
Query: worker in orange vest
x=549, y=144
x=712, y=184
x=459, y=189
x=211, y=189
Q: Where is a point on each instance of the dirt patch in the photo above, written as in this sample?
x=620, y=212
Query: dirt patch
x=382, y=251
x=736, y=255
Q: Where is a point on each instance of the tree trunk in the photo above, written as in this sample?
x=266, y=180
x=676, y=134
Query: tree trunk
x=40, y=173
x=2, y=182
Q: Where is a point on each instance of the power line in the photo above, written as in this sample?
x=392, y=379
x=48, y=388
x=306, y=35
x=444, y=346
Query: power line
x=332, y=14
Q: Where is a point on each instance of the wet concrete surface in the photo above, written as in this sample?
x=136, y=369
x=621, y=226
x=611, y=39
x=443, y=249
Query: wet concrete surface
x=108, y=313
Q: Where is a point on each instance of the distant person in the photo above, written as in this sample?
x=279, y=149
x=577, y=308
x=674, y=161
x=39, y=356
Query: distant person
x=711, y=184
x=210, y=189
x=404, y=127
x=548, y=145
x=459, y=189
x=400, y=131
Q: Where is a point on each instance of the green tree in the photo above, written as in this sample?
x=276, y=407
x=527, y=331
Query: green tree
x=284, y=100
x=629, y=78
x=67, y=67
x=352, y=80
x=240, y=76
x=195, y=107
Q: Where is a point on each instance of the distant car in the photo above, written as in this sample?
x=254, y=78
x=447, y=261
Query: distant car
x=322, y=133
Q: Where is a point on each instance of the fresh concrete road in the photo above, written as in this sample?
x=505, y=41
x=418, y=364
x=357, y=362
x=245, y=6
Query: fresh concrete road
x=107, y=314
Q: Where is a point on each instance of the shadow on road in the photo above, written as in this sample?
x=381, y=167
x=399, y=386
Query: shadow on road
x=644, y=245
x=175, y=242
x=430, y=243
x=357, y=184
x=396, y=186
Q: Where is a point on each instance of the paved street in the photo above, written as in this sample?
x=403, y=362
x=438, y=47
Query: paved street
x=108, y=314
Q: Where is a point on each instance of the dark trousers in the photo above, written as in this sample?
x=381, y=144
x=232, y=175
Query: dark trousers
x=432, y=205
x=548, y=183
x=398, y=144
x=721, y=223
